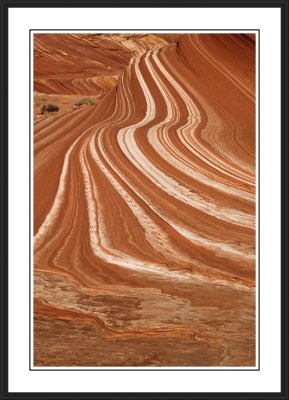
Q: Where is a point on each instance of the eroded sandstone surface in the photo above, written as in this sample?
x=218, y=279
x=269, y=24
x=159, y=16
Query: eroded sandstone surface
x=144, y=203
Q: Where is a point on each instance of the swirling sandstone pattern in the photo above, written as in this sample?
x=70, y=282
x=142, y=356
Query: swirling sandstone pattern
x=85, y=63
x=144, y=210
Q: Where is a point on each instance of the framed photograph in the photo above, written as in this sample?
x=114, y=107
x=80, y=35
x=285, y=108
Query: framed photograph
x=144, y=201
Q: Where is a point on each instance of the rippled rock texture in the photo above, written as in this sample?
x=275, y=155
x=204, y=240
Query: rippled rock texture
x=144, y=204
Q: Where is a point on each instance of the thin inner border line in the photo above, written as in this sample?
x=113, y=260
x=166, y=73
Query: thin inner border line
x=31, y=325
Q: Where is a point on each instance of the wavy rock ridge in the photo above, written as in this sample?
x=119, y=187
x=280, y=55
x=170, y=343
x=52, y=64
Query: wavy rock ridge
x=144, y=211
x=86, y=64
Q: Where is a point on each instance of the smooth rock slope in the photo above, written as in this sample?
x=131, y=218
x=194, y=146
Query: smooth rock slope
x=144, y=204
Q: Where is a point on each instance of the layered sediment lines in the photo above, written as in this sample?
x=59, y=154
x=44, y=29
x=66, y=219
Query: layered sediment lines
x=144, y=214
x=87, y=64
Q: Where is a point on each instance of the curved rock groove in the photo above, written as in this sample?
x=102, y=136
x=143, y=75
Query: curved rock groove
x=144, y=204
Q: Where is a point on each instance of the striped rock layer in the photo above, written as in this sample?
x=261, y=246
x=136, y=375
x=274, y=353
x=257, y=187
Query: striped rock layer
x=144, y=211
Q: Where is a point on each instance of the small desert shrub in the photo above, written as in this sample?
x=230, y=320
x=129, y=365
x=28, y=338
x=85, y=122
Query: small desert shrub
x=85, y=101
x=49, y=108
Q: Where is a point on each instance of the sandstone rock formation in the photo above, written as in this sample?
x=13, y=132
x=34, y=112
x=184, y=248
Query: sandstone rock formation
x=144, y=204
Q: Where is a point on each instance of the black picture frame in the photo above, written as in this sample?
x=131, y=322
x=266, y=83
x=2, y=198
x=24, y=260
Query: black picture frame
x=4, y=223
